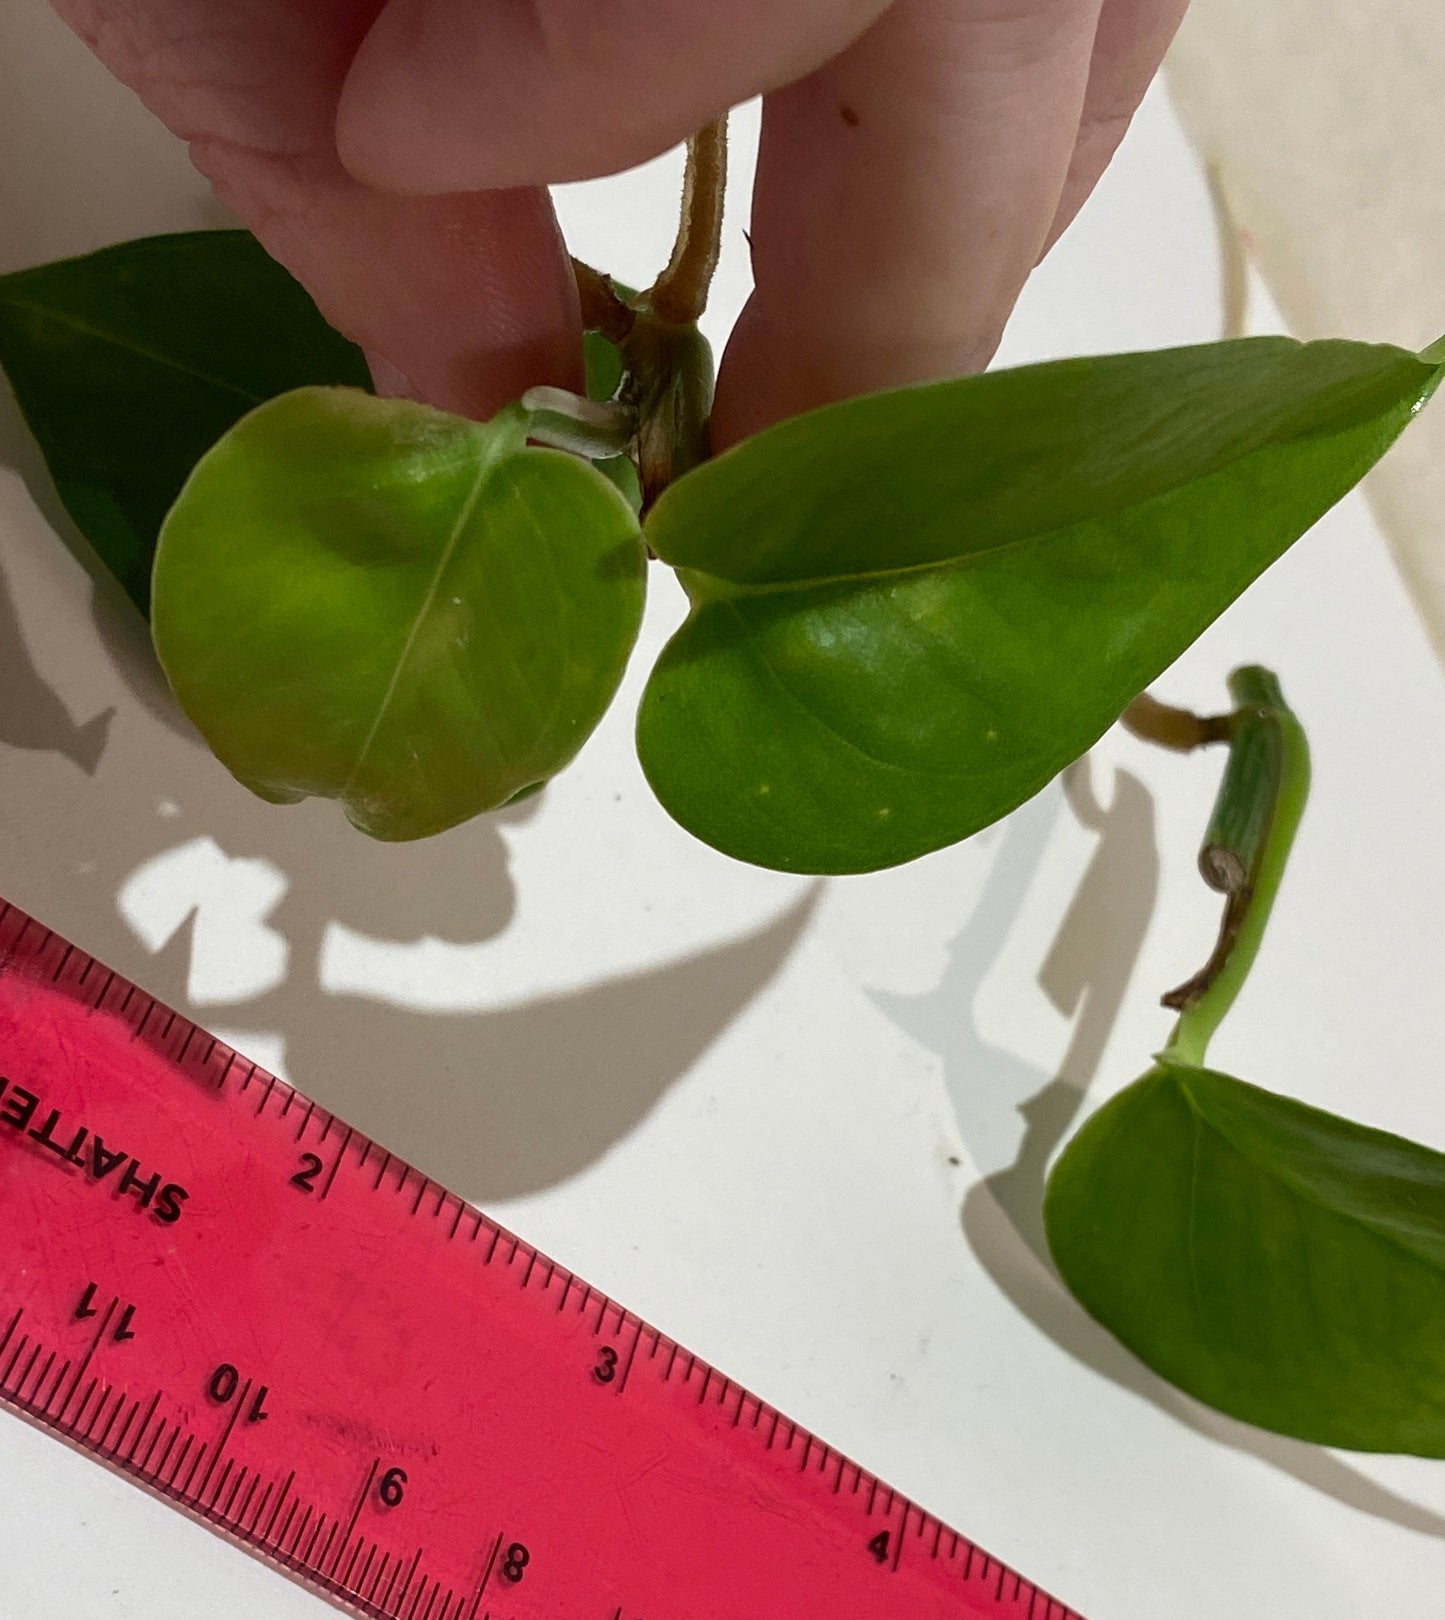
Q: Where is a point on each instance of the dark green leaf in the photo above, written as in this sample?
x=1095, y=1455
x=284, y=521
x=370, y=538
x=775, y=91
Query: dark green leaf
x=911, y=610
x=130, y=363
x=1283, y=1264
x=376, y=602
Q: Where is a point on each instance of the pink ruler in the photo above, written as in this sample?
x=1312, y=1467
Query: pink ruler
x=225, y=1292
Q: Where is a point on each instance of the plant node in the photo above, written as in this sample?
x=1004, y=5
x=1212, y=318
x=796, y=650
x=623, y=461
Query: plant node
x=1252, y=827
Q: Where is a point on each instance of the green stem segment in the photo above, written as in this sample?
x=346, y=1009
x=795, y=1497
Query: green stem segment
x=1245, y=850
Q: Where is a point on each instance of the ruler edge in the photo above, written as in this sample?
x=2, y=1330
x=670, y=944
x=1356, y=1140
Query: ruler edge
x=319, y=1585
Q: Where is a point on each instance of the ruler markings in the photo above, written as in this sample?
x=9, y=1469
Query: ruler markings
x=410, y=1576
x=65, y=1367
x=255, y=1525
x=225, y=1488
x=390, y=1586
x=631, y=1357
x=314, y=1560
x=29, y=1368
x=286, y=1525
x=219, y=1486
x=360, y=1503
x=305, y=1119
x=15, y=1355
x=165, y=1456
x=325, y=1552
x=237, y=1407
x=369, y=1596
x=41, y=1376
x=230, y=1513
x=351, y=1562
x=145, y=1462
x=119, y=1442
x=140, y=1433
x=301, y=1524
x=196, y=1461
x=335, y=1164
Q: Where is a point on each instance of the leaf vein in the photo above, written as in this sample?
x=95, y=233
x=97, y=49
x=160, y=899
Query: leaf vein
x=63, y=318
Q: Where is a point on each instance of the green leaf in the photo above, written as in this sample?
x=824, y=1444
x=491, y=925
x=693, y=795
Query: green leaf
x=911, y=610
x=130, y=363
x=380, y=603
x=1280, y=1263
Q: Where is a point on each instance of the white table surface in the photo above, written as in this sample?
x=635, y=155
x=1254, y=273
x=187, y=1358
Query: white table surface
x=799, y=1125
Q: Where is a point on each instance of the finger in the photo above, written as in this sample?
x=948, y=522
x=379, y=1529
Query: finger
x=471, y=298
x=1132, y=38
x=459, y=95
x=904, y=191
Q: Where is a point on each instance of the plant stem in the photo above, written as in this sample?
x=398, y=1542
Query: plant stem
x=679, y=295
x=1245, y=850
x=1178, y=729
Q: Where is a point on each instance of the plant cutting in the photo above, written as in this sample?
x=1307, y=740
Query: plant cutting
x=908, y=611
x=1281, y=1263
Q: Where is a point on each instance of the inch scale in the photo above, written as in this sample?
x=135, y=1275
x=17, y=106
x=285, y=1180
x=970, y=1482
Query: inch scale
x=223, y=1291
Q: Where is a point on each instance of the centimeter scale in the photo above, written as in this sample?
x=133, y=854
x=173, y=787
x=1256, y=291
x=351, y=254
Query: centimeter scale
x=222, y=1290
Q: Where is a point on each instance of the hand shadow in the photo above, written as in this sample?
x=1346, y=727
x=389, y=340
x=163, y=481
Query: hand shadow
x=1085, y=974
x=495, y=1103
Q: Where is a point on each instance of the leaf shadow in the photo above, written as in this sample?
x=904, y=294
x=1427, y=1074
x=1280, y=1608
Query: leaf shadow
x=114, y=616
x=515, y=1099
x=33, y=716
x=1085, y=974
x=494, y=1103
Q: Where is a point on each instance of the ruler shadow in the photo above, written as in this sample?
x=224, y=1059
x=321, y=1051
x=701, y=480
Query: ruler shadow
x=1085, y=974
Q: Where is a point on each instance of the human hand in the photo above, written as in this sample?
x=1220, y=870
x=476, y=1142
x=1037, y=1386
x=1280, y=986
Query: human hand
x=917, y=159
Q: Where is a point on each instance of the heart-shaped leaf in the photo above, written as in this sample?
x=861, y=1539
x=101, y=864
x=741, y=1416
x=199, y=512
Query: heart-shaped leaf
x=1283, y=1264
x=129, y=364
x=380, y=603
x=911, y=610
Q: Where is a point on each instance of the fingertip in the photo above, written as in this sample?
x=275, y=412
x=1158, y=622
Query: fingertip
x=379, y=137
x=457, y=95
x=444, y=97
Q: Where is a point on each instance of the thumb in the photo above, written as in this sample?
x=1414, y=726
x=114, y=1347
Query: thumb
x=470, y=95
